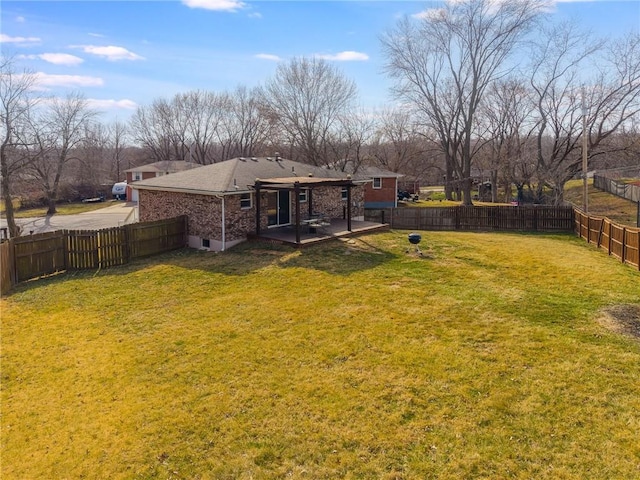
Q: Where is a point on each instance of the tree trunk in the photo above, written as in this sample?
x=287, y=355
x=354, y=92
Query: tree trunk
x=467, y=185
x=14, y=230
x=448, y=179
x=494, y=186
x=51, y=203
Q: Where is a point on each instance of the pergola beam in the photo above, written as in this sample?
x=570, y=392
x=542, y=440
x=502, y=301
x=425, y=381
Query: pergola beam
x=295, y=184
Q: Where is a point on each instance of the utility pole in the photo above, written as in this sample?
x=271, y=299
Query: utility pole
x=585, y=188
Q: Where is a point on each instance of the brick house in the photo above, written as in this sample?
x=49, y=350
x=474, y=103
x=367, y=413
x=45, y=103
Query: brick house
x=229, y=201
x=152, y=170
x=382, y=192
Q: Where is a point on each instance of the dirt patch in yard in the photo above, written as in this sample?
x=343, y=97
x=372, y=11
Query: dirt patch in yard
x=623, y=319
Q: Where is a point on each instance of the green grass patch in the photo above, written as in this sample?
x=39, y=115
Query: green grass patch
x=601, y=203
x=483, y=358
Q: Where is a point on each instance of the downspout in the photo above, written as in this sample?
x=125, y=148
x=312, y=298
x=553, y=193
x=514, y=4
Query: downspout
x=221, y=197
x=395, y=195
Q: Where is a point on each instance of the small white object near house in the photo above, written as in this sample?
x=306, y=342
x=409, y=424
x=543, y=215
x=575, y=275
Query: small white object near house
x=119, y=190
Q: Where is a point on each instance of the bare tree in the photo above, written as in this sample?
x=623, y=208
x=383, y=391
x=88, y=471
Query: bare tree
x=117, y=133
x=348, y=144
x=151, y=128
x=306, y=98
x=399, y=145
x=56, y=133
x=507, y=111
x=203, y=127
x=91, y=158
x=200, y=117
x=17, y=103
x=555, y=61
x=246, y=127
x=613, y=103
x=444, y=63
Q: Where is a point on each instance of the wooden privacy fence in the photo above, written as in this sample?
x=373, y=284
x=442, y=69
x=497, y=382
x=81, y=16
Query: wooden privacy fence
x=619, y=241
x=32, y=256
x=528, y=218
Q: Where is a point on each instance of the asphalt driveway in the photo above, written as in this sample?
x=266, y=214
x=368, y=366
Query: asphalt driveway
x=115, y=215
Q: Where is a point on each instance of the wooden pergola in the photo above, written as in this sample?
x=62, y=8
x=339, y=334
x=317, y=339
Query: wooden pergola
x=296, y=185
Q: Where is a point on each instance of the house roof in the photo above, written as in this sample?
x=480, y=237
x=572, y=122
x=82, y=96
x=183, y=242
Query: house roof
x=170, y=166
x=370, y=171
x=240, y=175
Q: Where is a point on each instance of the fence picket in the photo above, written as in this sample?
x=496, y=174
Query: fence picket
x=536, y=218
x=32, y=256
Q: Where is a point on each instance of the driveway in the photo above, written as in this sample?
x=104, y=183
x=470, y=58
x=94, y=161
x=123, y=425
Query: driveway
x=113, y=216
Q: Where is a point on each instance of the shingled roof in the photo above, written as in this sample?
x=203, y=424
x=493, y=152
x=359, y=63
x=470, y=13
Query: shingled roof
x=236, y=175
x=165, y=166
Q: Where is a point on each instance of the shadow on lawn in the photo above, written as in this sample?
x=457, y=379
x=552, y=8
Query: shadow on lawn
x=339, y=257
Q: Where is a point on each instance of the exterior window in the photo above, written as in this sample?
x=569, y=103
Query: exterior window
x=344, y=193
x=245, y=200
x=303, y=196
x=377, y=182
x=137, y=176
x=206, y=243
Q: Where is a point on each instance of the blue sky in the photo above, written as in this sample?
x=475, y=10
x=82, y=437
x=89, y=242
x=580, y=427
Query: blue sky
x=122, y=54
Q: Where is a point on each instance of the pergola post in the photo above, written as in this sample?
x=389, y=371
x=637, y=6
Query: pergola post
x=257, y=188
x=349, y=207
x=296, y=190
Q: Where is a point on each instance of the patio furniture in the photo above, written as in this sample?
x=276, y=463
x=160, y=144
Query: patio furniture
x=316, y=223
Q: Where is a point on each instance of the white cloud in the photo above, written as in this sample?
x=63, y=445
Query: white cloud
x=217, y=5
x=97, y=35
x=56, y=58
x=430, y=14
x=111, y=53
x=255, y=15
x=8, y=39
x=347, y=56
x=110, y=104
x=44, y=81
x=20, y=19
x=268, y=56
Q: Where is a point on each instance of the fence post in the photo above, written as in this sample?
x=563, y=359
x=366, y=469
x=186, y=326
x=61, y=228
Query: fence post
x=580, y=226
x=609, y=249
x=600, y=233
x=624, y=243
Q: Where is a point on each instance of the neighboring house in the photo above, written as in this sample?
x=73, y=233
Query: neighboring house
x=152, y=170
x=382, y=191
x=229, y=201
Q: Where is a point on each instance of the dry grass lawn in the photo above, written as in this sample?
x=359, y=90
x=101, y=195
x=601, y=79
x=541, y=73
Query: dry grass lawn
x=486, y=357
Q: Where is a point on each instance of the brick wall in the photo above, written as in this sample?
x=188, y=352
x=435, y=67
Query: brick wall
x=386, y=195
x=328, y=201
x=205, y=211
